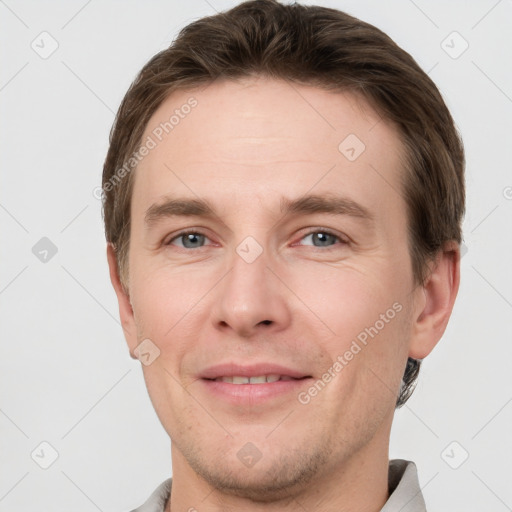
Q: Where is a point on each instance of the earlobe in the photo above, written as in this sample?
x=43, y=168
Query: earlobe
x=439, y=290
x=123, y=299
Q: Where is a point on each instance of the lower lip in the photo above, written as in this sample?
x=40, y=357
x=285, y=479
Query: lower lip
x=252, y=394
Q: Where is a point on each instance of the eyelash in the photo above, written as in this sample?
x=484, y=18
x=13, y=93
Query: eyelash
x=316, y=230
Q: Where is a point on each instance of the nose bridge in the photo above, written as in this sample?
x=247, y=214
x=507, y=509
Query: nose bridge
x=250, y=293
x=248, y=280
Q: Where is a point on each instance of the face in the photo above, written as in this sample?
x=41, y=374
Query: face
x=291, y=263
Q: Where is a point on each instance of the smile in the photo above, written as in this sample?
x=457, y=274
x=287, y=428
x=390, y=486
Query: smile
x=261, y=379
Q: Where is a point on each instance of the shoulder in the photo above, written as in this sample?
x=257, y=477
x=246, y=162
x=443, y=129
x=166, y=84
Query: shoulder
x=158, y=498
x=404, y=488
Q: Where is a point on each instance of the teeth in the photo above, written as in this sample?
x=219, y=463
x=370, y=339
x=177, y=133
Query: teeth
x=260, y=379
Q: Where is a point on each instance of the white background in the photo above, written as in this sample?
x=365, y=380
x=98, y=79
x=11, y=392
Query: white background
x=66, y=375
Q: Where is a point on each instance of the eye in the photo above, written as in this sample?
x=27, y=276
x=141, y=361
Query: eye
x=323, y=238
x=189, y=239
x=196, y=239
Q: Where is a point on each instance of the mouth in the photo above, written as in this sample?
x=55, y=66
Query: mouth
x=260, y=379
x=258, y=373
x=242, y=385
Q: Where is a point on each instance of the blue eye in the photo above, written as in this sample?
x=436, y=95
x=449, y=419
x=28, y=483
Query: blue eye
x=323, y=238
x=190, y=239
x=196, y=240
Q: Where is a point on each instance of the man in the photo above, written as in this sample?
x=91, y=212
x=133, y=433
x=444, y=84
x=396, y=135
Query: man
x=283, y=196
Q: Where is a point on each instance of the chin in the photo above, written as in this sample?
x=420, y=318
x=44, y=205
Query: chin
x=277, y=476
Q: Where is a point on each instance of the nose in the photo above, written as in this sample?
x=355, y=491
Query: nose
x=251, y=298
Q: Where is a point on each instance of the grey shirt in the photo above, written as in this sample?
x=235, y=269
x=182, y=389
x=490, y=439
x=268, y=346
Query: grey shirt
x=403, y=485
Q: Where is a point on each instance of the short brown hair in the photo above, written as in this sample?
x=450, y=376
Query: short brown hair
x=308, y=45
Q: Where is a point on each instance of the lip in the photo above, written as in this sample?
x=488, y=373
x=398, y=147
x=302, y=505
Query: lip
x=231, y=369
x=252, y=394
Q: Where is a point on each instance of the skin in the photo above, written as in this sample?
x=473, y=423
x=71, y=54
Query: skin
x=299, y=304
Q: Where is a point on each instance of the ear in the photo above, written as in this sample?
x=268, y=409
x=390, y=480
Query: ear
x=437, y=296
x=123, y=299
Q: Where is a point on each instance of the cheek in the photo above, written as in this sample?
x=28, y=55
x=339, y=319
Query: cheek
x=348, y=300
x=378, y=366
x=171, y=309
x=369, y=323
x=162, y=298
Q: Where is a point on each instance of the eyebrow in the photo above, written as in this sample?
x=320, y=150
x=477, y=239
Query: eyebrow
x=306, y=205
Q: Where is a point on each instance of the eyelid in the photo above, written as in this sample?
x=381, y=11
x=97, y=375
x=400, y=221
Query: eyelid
x=187, y=231
x=342, y=238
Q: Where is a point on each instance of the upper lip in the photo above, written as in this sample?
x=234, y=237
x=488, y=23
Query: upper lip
x=232, y=369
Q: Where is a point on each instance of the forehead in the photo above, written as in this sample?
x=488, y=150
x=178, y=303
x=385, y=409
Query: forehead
x=256, y=135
